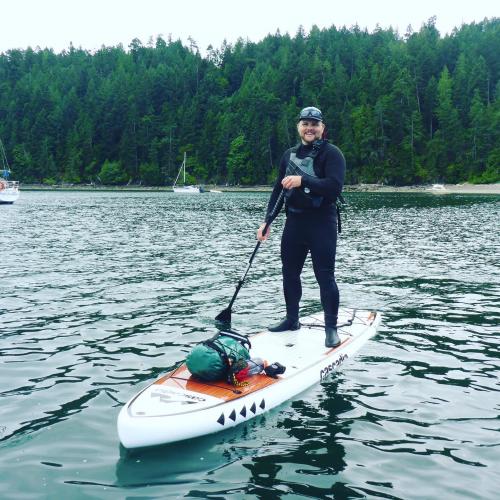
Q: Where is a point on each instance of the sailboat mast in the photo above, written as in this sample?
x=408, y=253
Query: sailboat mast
x=184, y=163
x=5, y=163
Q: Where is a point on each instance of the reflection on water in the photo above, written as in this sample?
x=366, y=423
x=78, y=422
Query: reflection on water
x=103, y=292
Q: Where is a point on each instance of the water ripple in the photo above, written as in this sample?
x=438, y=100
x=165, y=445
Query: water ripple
x=103, y=292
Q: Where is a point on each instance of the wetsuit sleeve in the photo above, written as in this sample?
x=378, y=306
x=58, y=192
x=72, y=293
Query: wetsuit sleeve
x=277, y=190
x=330, y=186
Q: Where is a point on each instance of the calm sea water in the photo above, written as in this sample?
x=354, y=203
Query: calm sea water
x=102, y=292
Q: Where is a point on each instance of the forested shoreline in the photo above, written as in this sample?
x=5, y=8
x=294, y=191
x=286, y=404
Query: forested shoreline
x=405, y=109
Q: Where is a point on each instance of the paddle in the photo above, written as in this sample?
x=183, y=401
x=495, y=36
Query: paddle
x=225, y=315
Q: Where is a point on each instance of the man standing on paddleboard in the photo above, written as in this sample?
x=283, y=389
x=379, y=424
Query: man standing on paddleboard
x=311, y=176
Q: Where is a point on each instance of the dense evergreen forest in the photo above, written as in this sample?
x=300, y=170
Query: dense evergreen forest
x=404, y=109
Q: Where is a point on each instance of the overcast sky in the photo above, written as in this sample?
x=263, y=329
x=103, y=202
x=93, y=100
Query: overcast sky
x=93, y=23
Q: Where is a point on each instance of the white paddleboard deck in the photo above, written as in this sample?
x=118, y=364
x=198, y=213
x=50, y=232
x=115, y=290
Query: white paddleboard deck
x=177, y=406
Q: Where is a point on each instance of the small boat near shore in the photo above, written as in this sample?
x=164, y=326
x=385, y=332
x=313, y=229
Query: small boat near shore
x=185, y=189
x=438, y=189
x=9, y=190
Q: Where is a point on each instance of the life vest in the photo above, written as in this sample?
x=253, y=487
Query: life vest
x=301, y=198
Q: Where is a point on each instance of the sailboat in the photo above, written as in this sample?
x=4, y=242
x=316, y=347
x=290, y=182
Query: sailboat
x=185, y=189
x=9, y=190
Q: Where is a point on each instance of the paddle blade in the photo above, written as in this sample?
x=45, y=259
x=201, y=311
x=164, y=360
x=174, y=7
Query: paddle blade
x=224, y=316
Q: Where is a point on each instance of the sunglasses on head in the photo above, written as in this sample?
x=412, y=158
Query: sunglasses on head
x=311, y=113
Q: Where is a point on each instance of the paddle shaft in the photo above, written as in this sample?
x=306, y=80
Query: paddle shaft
x=257, y=246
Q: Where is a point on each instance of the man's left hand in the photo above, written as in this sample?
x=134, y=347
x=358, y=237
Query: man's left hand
x=291, y=181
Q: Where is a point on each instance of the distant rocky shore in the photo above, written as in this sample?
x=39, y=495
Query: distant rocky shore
x=434, y=188
x=368, y=188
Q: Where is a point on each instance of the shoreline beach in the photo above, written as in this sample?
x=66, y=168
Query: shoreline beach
x=436, y=188
x=365, y=188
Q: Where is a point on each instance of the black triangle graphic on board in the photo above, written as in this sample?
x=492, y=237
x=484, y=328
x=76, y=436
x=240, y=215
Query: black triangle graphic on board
x=233, y=416
x=221, y=419
x=262, y=404
x=253, y=408
x=243, y=411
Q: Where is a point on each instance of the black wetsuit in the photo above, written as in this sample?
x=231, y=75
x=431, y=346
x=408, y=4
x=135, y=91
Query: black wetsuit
x=311, y=229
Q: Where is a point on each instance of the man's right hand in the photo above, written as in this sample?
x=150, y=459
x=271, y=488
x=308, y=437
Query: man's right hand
x=263, y=237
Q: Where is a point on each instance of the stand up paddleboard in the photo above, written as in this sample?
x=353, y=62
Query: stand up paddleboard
x=178, y=406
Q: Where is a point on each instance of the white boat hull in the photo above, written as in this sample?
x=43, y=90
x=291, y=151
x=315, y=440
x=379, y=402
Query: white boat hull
x=175, y=408
x=438, y=189
x=187, y=189
x=9, y=195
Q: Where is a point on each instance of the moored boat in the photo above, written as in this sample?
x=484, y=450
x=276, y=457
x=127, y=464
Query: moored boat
x=438, y=189
x=185, y=189
x=9, y=190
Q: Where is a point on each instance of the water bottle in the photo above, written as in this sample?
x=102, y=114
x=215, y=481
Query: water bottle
x=255, y=366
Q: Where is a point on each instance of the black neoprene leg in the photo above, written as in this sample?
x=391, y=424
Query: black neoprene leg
x=293, y=255
x=323, y=245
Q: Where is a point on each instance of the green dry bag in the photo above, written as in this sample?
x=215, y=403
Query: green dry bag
x=211, y=360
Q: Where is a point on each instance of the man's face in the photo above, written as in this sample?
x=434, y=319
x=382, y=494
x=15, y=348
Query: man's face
x=310, y=130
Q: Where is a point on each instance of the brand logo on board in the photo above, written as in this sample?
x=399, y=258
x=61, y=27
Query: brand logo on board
x=171, y=396
x=331, y=367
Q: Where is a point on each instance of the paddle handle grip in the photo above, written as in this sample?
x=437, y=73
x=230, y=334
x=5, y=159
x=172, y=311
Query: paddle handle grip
x=265, y=228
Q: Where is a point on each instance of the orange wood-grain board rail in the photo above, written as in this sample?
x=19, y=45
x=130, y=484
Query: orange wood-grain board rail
x=181, y=378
